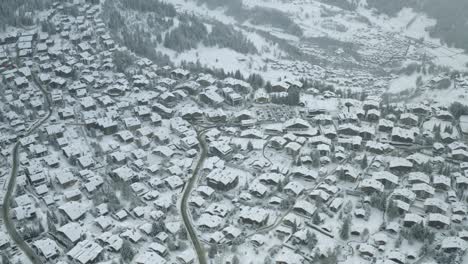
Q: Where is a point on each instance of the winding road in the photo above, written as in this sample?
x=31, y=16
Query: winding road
x=10, y=226
x=186, y=217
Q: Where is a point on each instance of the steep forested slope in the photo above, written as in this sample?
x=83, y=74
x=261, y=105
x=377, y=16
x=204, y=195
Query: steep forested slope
x=451, y=16
x=15, y=12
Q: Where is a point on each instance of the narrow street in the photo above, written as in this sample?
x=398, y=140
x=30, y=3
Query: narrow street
x=186, y=217
x=10, y=226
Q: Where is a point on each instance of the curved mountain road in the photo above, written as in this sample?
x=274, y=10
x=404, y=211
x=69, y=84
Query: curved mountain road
x=186, y=217
x=10, y=226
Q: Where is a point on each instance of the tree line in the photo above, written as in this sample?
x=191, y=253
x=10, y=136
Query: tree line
x=187, y=35
x=156, y=7
x=18, y=12
x=225, y=36
x=136, y=40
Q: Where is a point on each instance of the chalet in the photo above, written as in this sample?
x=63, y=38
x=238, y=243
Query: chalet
x=323, y=119
x=143, y=112
x=418, y=177
x=404, y=195
x=87, y=103
x=24, y=212
x=347, y=117
x=47, y=248
x=336, y=204
x=448, y=138
x=166, y=82
x=323, y=149
x=354, y=142
x=366, y=250
x=457, y=145
x=160, y=249
x=253, y=216
x=107, y=125
x=4, y=241
x=460, y=155
x=174, y=182
x=398, y=164
x=371, y=104
x=348, y=129
x=293, y=148
x=271, y=178
x=320, y=195
x=222, y=179
x=211, y=97
x=348, y=173
x=21, y=82
x=57, y=83
x=217, y=115
x=296, y=124
x=371, y=185
x=258, y=189
x=74, y=210
x=388, y=179
x=185, y=258
x=423, y=190
x=64, y=71
x=453, y=244
x=303, y=172
x=314, y=141
x=191, y=113
x=70, y=233
x=366, y=132
x=86, y=161
x=287, y=256
x=441, y=182
x=252, y=133
x=373, y=115
x=206, y=79
x=377, y=147
x=191, y=87
x=411, y=219
x=409, y=119
x=304, y=207
x=180, y=74
x=293, y=188
x=444, y=115
x=402, y=135
x=238, y=85
x=132, y=123
x=167, y=98
x=458, y=208
x=418, y=109
x=124, y=173
x=162, y=110
x=434, y=205
x=464, y=124
x=451, y=196
x=85, y=252
x=155, y=119
x=149, y=257
x=278, y=87
x=438, y=221
x=294, y=83
x=329, y=131
x=243, y=115
x=461, y=182
x=262, y=97
x=419, y=159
